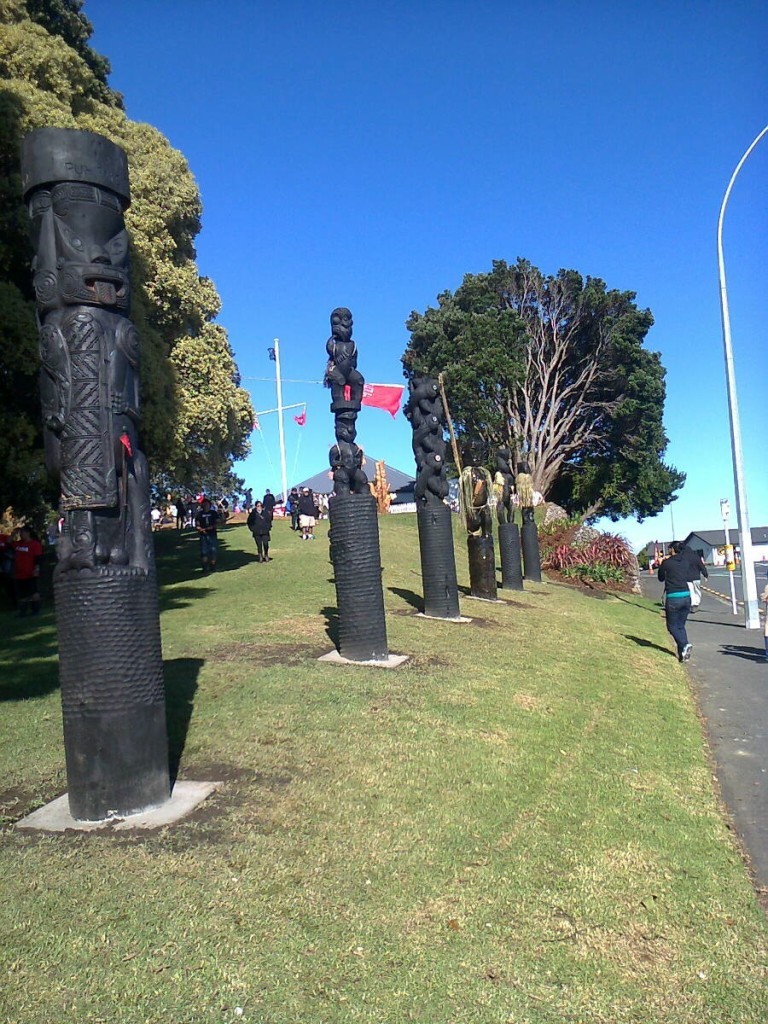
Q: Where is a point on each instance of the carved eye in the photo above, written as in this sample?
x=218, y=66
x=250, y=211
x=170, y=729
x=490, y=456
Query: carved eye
x=72, y=238
x=117, y=247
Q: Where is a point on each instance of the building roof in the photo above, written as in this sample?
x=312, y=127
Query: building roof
x=716, y=538
x=322, y=483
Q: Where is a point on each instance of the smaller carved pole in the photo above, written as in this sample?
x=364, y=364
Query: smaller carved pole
x=529, y=533
x=425, y=411
x=476, y=490
x=509, y=532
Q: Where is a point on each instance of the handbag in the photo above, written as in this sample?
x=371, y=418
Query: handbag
x=695, y=588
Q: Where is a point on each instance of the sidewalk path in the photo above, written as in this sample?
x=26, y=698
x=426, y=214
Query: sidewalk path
x=730, y=678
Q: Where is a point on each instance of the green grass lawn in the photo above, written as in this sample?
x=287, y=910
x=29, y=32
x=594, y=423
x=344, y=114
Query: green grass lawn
x=519, y=825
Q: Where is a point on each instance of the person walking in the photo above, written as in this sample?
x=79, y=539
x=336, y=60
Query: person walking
x=269, y=503
x=307, y=514
x=206, y=522
x=181, y=511
x=674, y=572
x=260, y=525
x=293, y=500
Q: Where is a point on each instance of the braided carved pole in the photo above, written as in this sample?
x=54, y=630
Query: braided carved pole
x=476, y=492
x=509, y=532
x=529, y=533
x=354, y=525
x=105, y=587
x=424, y=410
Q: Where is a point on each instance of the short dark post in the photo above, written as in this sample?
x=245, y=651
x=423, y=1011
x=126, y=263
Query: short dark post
x=476, y=490
x=424, y=410
x=529, y=533
x=354, y=525
x=110, y=660
x=509, y=532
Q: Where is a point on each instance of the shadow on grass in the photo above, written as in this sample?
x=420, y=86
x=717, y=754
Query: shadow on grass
x=747, y=653
x=28, y=663
x=642, y=642
x=409, y=596
x=181, y=675
x=331, y=624
x=178, y=556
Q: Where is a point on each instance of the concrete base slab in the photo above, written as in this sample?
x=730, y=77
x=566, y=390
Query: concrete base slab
x=393, y=661
x=442, y=618
x=186, y=796
x=485, y=600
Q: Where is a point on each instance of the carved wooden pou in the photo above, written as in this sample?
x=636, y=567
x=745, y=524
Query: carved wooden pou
x=110, y=662
x=354, y=525
x=424, y=410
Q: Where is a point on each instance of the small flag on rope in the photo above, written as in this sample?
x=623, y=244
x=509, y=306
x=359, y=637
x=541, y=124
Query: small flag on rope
x=256, y=422
x=301, y=419
x=384, y=396
x=272, y=355
x=125, y=441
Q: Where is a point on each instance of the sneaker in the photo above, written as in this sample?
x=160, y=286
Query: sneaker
x=686, y=654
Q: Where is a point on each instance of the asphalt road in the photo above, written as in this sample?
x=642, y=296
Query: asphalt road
x=719, y=581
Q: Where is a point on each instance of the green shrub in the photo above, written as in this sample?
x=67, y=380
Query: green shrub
x=594, y=572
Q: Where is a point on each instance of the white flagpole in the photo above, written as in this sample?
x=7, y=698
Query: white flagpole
x=281, y=429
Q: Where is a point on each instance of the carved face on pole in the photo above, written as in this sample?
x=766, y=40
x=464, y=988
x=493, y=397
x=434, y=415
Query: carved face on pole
x=82, y=247
x=341, y=324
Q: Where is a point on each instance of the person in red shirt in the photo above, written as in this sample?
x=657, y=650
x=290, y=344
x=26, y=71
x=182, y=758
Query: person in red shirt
x=6, y=567
x=27, y=552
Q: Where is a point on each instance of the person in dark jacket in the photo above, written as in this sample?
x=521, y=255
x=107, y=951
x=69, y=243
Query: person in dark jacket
x=269, y=503
x=260, y=525
x=307, y=514
x=674, y=573
x=293, y=502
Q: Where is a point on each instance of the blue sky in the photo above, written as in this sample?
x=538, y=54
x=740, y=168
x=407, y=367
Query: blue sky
x=369, y=155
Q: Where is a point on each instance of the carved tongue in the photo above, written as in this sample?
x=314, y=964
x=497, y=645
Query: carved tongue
x=105, y=292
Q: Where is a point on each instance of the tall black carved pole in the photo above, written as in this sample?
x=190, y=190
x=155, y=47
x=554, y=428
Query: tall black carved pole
x=529, y=533
x=110, y=660
x=354, y=525
x=476, y=490
x=424, y=410
x=509, y=532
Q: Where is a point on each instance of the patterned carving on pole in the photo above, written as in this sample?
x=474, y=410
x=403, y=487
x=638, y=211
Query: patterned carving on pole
x=426, y=414
x=354, y=525
x=529, y=533
x=509, y=532
x=110, y=660
x=476, y=492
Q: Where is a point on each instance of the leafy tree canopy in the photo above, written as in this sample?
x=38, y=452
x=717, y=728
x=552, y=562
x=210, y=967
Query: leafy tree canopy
x=554, y=367
x=50, y=76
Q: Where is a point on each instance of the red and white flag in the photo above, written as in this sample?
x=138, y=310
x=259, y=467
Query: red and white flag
x=301, y=419
x=384, y=396
x=256, y=422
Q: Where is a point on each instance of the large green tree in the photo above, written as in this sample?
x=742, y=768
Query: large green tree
x=554, y=366
x=50, y=76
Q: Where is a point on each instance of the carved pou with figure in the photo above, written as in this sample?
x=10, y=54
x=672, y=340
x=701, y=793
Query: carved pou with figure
x=105, y=588
x=354, y=528
x=89, y=348
x=504, y=486
x=346, y=383
x=426, y=413
x=424, y=410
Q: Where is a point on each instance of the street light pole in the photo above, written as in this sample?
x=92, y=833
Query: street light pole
x=751, y=613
